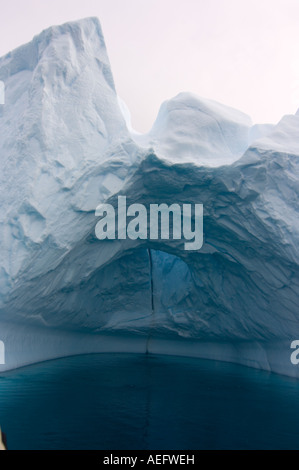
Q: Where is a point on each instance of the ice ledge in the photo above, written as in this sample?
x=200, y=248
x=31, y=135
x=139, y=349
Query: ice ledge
x=25, y=346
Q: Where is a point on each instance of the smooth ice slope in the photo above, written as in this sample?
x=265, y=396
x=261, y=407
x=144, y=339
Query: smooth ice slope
x=192, y=129
x=67, y=145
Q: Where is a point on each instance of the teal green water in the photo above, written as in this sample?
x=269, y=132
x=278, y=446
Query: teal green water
x=120, y=401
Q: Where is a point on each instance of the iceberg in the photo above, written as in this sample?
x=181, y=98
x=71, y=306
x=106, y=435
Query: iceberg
x=67, y=145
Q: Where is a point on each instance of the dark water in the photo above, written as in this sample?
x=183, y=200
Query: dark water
x=143, y=402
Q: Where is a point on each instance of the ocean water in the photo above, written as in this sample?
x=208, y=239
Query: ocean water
x=131, y=402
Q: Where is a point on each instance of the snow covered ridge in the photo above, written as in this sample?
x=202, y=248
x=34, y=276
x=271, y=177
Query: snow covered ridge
x=66, y=146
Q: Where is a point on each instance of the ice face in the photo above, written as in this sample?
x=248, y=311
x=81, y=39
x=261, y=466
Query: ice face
x=67, y=146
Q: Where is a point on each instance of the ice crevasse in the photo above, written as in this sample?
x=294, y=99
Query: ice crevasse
x=67, y=145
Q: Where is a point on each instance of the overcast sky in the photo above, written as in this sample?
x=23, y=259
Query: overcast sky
x=243, y=53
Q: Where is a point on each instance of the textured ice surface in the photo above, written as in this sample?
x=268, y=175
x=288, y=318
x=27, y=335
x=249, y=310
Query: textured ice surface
x=67, y=145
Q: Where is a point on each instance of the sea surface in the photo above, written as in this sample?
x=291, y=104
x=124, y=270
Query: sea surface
x=131, y=402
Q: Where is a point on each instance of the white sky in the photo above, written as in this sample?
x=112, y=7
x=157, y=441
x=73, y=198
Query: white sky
x=243, y=53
